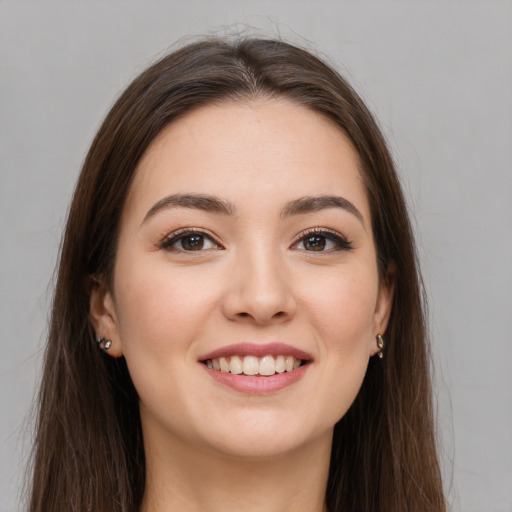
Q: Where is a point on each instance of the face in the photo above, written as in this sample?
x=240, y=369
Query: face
x=246, y=244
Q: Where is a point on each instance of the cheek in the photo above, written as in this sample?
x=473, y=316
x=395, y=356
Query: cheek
x=343, y=307
x=342, y=311
x=162, y=313
x=160, y=309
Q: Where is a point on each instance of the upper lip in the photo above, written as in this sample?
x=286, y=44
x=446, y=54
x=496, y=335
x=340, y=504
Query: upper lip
x=257, y=350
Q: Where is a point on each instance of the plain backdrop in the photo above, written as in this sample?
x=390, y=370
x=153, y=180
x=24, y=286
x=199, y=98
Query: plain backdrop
x=437, y=74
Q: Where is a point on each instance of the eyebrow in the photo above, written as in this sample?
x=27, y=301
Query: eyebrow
x=193, y=201
x=302, y=205
x=310, y=204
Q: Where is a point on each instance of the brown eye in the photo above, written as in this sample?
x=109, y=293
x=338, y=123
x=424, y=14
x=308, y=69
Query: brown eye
x=322, y=241
x=315, y=243
x=192, y=243
x=189, y=241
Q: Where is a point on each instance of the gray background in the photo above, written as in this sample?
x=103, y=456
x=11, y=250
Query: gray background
x=438, y=75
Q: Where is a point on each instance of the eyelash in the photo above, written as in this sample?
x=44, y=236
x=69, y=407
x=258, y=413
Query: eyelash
x=341, y=243
x=181, y=234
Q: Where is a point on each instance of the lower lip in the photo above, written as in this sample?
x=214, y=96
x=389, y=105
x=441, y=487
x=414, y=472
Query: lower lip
x=257, y=384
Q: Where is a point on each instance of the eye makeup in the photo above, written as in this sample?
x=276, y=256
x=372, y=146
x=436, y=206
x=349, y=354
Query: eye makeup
x=190, y=240
x=321, y=240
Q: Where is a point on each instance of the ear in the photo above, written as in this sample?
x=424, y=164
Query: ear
x=103, y=316
x=383, y=305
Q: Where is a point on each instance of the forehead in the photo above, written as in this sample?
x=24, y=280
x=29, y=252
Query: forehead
x=273, y=150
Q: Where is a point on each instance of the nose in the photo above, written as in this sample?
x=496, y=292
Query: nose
x=259, y=291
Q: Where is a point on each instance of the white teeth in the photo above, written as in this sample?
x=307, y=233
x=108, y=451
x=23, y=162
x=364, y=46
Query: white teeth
x=252, y=365
x=280, y=368
x=268, y=365
x=235, y=365
x=224, y=365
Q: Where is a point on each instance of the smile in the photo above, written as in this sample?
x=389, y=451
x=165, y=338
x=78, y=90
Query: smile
x=251, y=365
x=255, y=368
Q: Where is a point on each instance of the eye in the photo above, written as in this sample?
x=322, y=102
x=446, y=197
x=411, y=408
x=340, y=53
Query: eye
x=189, y=241
x=321, y=240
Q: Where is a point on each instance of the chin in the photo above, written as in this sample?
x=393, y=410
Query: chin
x=264, y=436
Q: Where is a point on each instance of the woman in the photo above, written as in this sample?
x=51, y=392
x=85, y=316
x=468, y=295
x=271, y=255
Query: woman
x=238, y=314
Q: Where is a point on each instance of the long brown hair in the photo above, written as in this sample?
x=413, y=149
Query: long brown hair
x=89, y=454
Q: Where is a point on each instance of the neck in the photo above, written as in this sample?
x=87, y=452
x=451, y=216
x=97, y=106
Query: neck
x=184, y=478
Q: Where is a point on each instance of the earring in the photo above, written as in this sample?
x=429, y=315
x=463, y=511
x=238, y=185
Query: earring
x=104, y=344
x=380, y=344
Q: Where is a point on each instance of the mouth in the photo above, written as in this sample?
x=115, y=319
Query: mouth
x=257, y=368
x=251, y=365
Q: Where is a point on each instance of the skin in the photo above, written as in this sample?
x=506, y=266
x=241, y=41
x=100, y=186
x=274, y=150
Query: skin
x=209, y=447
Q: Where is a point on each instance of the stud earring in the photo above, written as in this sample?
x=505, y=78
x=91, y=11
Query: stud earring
x=104, y=344
x=380, y=344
